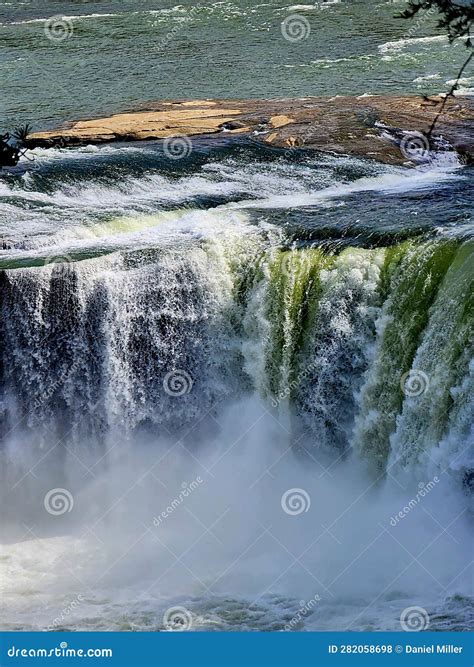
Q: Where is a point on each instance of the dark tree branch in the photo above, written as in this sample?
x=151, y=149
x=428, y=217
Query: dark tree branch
x=12, y=146
x=456, y=17
x=449, y=94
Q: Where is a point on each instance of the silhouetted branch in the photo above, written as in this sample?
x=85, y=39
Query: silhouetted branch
x=456, y=16
x=12, y=146
x=449, y=94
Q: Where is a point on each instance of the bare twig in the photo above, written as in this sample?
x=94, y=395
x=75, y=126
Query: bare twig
x=449, y=94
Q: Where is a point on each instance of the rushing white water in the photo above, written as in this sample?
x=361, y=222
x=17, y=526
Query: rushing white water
x=200, y=351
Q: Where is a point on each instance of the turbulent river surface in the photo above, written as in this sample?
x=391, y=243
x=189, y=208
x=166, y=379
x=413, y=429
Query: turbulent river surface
x=106, y=55
x=236, y=387
x=236, y=370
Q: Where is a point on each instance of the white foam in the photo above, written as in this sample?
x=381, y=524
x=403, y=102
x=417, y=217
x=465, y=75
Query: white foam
x=464, y=92
x=400, y=44
x=116, y=585
x=166, y=228
x=75, y=17
x=443, y=171
x=464, y=81
x=465, y=87
x=428, y=77
x=302, y=8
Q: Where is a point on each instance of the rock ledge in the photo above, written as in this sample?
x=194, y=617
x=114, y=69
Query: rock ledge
x=366, y=126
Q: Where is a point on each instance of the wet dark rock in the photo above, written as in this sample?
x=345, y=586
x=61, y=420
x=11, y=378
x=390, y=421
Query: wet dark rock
x=359, y=126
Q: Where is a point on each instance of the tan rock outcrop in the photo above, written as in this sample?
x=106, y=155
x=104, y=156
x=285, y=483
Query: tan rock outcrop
x=361, y=126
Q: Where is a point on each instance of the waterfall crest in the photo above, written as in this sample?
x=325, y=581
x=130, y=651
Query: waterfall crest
x=335, y=338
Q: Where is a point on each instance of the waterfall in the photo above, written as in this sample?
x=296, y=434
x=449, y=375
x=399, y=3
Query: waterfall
x=410, y=279
x=98, y=350
x=443, y=411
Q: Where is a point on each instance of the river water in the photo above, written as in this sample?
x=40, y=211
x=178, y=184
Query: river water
x=237, y=385
x=107, y=55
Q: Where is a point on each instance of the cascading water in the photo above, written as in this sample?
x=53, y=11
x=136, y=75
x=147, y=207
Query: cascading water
x=268, y=359
x=92, y=341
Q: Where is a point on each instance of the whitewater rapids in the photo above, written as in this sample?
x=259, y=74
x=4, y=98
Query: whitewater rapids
x=151, y=347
